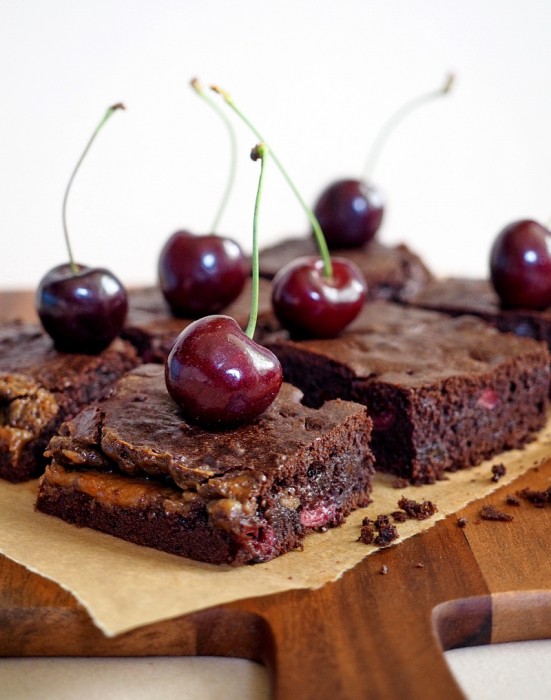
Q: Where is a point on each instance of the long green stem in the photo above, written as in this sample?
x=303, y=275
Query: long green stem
x=318, y=233
x=398, y=117
x=196, y=85
x=259, y=152
x=108, y=113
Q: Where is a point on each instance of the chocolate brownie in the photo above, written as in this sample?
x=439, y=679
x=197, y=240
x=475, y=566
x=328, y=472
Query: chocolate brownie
x=40, y=388
x=456, y=296
x=132, y=467
x=152, y=328
x=443, y=393
x=391, y=272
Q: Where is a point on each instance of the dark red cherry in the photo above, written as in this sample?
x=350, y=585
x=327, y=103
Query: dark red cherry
x=201, y=275
x=350, y=213
x=218, y=376
x=309, y=304
x=520, y=265
x=82, y=311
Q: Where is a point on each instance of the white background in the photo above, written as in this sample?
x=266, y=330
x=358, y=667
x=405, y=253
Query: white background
x=318, y=78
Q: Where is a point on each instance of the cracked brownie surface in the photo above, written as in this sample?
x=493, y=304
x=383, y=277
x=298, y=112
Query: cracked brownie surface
x=40, y=388
x=132, y=466
x=443, y=393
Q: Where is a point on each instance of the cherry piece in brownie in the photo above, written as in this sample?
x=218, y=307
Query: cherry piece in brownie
x=132, y=467
x=152, y=328
x=391, y=272
x=40, y=388
x=443, y=393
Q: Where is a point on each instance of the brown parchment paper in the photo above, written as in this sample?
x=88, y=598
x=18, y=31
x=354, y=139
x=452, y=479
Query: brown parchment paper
x=124, y=586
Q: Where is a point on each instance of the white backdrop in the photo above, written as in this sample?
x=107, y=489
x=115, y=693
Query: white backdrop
x=318, y=78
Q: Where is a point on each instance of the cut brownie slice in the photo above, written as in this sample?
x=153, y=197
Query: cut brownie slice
x=457, y=296
x=132, y=467
x=443, y=393
x=40, y=388
x=152, y=329
x=391, y=272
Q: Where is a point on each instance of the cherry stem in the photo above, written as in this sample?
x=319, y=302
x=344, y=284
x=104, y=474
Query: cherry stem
x=318, y=233
x=259, y=152
x=398, y=116
x=108, y=113
x=196, y=85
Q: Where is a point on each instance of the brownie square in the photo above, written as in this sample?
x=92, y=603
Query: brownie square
x=477, y=297
x=132, y=466
x=443, y=393
x=40, y=388
x=152, y=328
x=391, y=272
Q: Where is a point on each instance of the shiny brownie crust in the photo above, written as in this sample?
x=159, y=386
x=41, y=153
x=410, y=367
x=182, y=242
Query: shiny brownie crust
x=443, y=393
x=132, y=467
x=40, y=388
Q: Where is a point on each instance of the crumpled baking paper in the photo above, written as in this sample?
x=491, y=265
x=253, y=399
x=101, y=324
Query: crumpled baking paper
x=124, y=586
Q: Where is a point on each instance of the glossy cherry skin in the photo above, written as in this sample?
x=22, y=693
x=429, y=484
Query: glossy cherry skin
x=520, y=265
x=201, y=275
x=83, y=311
x=350, y=213
x=218, y=376
x=309, y=304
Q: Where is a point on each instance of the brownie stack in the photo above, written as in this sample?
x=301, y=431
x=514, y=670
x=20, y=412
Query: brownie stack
x=443, y=393
x=40, y=388
x=408, y=390
x=131, y=466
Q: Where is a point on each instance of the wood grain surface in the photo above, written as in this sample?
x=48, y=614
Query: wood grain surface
x=368, y=635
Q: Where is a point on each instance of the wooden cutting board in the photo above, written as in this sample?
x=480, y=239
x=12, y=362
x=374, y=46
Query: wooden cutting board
x=370, y=634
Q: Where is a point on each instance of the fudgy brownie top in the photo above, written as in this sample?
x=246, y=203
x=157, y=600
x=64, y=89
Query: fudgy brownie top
x=462, y=294
x=148, y=310
x=141, y=431
x=392, y=272
x=475, y=296
x=413, y=347
x=26, y=351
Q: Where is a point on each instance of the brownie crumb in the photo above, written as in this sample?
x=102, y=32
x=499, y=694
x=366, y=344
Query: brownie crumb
x=498, y=470
x=400, y=483
x=492, y=513
x=416, y=510
x=382, y=525
x=512, y=500
x=383, y=570
x=387, y=534
x=399, y=516
x=462, y=522
x=419, y=565
x=537, y=498
x=367, y=532
x=382, y=521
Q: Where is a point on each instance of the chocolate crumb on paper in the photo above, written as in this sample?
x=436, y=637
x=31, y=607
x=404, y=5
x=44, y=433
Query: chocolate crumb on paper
x=399, y=516
x=387, y=532
x=498, y=470
x=462, y=522
x=512, y=500
x=417, y=510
